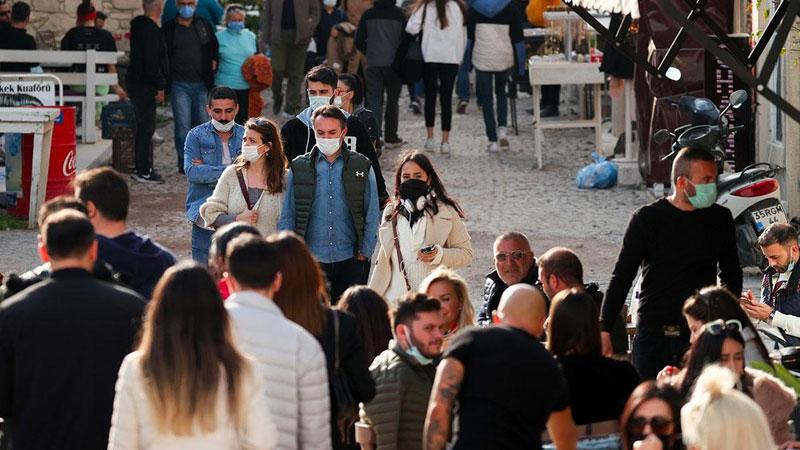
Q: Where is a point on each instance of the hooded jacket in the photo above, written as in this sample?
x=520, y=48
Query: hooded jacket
x=380, y=33
x=137, y=258
x=494, y=36
x=149, y=66
x=299, y=138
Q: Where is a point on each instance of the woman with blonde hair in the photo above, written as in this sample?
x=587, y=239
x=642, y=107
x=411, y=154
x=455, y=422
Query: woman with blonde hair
x=187, y=385
x=251, y=189
x=450, y=290
x=720, y=417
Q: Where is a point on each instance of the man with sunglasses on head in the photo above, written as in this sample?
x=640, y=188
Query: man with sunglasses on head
x=780, y=287
x=514, y=263
x=298, y=133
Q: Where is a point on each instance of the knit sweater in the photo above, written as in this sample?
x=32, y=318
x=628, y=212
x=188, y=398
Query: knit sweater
x=228, y=199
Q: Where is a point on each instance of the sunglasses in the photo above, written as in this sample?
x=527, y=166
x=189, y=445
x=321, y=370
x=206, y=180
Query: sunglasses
x=659, y=425
x=516, y=255
x=717, y=326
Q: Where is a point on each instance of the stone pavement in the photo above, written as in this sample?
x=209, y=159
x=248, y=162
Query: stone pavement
x=499, y=192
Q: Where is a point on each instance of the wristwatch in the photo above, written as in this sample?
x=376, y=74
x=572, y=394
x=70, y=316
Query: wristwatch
x=771, y=316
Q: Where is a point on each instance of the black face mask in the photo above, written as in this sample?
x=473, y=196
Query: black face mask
x=412, y=189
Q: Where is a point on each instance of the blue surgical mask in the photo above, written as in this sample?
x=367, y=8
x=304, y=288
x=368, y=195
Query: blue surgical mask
x=414, y=352
x=329, y=2
x=704, y=195
x=236, y=25
x=186, y=11
x=315, y=101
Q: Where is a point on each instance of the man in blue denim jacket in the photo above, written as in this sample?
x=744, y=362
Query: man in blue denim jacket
x=209, y=149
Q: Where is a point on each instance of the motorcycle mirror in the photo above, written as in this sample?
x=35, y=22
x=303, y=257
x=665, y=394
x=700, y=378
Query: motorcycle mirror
x=662, y=136
x=738, y=98
x=674, y=74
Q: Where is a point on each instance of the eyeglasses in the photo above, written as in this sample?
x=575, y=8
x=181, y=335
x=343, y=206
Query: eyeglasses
x=717, y=326
x=516, y=255
x=659, y=425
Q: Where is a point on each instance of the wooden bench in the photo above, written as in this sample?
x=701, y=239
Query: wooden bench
x=90, y=80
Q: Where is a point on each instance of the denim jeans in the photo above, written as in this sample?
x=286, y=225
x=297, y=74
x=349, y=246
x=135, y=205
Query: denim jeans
x=201, y=241
x=486, y=94
x=188, y=102
x=462, y=84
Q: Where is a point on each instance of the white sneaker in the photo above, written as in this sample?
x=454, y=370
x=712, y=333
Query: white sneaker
x=492, y=147
x=157, y=139
x=502, y=137
x=445, y=149
x=430, y=145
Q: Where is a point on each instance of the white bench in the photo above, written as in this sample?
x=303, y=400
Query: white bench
x=91, y=79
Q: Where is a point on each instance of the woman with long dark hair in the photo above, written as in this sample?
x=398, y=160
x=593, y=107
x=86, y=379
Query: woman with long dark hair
x=303, y=299
x=350, y=97
x=251, y=189
x=441, y=23
x=652, y=413
x=187, y=385
x=422, y=228
x=372, y=313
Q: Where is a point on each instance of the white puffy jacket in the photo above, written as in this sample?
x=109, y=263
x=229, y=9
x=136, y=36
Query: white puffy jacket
x=294, y=365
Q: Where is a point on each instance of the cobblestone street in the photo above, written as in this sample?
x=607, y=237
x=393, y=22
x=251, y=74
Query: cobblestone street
x=499, y=192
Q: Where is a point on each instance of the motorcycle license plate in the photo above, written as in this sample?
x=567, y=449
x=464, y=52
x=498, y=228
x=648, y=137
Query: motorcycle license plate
x=767, y=216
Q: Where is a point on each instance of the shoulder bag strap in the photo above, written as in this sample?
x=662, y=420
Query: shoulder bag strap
x=335, y=341
x=243, y=187
x=422, y=26
x=399, y=253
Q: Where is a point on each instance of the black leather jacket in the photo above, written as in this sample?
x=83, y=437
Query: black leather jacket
x=493, y=289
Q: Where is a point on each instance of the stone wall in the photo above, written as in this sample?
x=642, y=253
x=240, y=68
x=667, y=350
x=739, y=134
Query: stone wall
x=52, y=18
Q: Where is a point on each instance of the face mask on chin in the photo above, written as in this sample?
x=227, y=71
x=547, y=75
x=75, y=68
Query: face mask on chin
x=222, y=127
x=413, y=351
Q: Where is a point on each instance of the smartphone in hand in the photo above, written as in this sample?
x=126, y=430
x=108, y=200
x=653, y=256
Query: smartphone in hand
x=428, y=249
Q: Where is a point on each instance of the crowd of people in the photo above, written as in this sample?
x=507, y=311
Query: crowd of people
x=316, y=298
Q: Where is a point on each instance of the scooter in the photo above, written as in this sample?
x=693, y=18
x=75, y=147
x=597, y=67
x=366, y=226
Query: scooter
x=752, y=195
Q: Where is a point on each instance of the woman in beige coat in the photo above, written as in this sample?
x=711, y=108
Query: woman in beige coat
x=428, y=228
x=251, y=189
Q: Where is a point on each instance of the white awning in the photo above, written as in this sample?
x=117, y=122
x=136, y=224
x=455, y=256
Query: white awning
x=612, y=6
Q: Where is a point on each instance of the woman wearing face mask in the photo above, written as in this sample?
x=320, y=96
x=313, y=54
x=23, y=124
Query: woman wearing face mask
x=421, y=229
x=251, y=189
x=350, y=98
x=651, y=418
x=236, y=44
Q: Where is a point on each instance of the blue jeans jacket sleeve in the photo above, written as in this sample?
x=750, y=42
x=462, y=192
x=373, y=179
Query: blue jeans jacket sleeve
x=200, y=173
x=372, y=219
x=286, y=222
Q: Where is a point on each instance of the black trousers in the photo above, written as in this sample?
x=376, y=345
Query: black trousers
x=243, y=98
x=144, y=103
x=652, y=351
x=439, y=78
x=344, y=274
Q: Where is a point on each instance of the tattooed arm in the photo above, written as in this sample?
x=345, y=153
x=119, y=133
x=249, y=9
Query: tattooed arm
x=446, y=387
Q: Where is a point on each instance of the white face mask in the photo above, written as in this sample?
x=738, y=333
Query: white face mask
x=250, y=152
x=328, y=146
x=315, y=101
x=222, y=127
x=337, y=101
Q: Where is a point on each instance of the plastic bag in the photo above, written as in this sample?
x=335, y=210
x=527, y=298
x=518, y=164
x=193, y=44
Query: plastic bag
x=601, y=174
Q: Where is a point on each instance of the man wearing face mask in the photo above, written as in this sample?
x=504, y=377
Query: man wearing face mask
x=404, y=374
x=298, y=134
x=193, y=53
x=331, y=200
x=780, y=288
x=210, y=148
x=679, y=242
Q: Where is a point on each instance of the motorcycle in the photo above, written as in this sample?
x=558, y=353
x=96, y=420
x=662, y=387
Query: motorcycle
x=752, y=195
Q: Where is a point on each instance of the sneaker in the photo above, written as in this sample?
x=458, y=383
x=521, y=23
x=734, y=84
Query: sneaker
x=502, y=136
x=157, y=138
x=150, y=177
x=445, y=149
x=462, y=107
x=492, y=147
x=415, y=108
x=429, y=145
x=393, y=144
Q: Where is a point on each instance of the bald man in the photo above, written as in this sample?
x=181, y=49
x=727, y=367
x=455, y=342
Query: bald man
x=508, y=386
x=682, y=243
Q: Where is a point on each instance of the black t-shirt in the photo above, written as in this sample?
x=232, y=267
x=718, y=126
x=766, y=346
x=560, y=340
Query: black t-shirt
x=88, y=38
x=16, y=39
x=511, y=385
x=187, y=55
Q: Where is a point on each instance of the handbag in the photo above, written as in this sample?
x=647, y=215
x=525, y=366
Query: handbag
x=408, y=60
x=346, y=405
x=396, y=239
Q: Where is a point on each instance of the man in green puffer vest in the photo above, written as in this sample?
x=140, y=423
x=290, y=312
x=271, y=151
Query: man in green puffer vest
x=331, y=200
x=404, y=374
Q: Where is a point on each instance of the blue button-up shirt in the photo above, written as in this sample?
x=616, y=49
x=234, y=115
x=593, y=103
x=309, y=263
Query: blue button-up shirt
x=331, y=233
x=204, y=143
